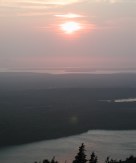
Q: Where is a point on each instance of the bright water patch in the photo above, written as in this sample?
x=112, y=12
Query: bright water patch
x=117, y=144
x=126, y=100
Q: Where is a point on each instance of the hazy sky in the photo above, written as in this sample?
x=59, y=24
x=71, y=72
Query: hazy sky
x=58, y=33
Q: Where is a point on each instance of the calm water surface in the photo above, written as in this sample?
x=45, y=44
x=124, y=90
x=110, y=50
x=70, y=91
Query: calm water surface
x=117, y=144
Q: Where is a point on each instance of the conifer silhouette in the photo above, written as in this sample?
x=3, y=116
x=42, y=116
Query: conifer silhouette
x=81, y=156
x=93, y=158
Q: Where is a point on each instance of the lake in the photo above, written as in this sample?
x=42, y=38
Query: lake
x=116, y=144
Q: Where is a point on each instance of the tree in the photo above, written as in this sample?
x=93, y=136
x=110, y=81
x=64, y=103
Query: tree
x=93, y=158
x=53, y=160
x=81, y=156
x=46, y=161
x=107, y=160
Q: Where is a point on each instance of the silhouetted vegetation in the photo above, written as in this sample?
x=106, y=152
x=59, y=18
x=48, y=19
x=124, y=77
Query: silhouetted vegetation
x=69, y=110
x=47, y=161
x=130, y=159
x=81, y=157
x=93, y=158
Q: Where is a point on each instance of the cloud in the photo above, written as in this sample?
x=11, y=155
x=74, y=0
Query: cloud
x=41, y=7
x=51, y=3
x=37, y=3
x=113, y=1
x=33, y=7
x=69, y=15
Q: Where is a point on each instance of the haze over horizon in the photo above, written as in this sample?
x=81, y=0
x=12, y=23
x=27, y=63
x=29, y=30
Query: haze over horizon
x=67, y=33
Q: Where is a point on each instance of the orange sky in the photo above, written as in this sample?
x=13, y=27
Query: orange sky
x=78, y=33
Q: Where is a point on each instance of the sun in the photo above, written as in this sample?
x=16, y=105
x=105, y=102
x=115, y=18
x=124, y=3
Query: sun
x=70, y=27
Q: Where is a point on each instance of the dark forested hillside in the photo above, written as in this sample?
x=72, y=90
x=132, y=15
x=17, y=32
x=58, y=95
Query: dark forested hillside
x=31, y=111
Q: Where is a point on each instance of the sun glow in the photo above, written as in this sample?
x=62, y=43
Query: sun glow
x=70, y=27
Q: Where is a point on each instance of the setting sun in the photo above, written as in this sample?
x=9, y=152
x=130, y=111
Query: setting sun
x=70, y=27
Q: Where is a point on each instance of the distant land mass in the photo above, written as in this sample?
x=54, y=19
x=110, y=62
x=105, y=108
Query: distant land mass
x=36, y=106
x=23, y=80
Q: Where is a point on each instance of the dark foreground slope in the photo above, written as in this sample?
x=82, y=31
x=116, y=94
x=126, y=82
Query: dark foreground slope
x=32, y=111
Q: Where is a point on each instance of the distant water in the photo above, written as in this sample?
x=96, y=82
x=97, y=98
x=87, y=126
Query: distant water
x=117, y=144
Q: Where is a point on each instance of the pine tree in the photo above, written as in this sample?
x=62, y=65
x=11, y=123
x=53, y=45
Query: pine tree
x=53, y=160
x=80, y=157
x=46, y=161
x=93, y=158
